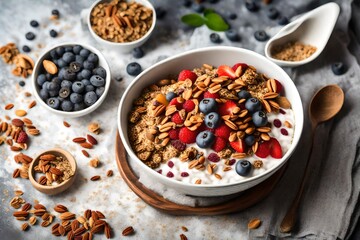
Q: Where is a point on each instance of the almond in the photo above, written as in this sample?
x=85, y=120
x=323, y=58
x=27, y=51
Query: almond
x=50, y=67
x=254, y=223
x=16, y=173
x=56, y=171
x=26, y=207
x=39, y=212
x=32, y=220
x=97, y=228
x=67, y=216
x=9, y=106
x=127, y=231
x=48, y=157
x=183, y=237
x=86, y=145
x=20, y=214
x=85, y=153
x=66, y=124
x=33, y=131
x=32, y=104
x=107, y=231
x=25, y=227
x=91, y=139
x=75, y=225
x=87, y=214
x=17, y=122
x=20, y=113
x=79, y=231
x=60, y=208
x=39, y=206
x=95, y=178
x=79, y=140
x=15, y=148
x=109, y=173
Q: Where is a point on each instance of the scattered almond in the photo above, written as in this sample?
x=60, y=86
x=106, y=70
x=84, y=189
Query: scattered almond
x=79, y=140
x=110, y=173
x=9, y=106
x=85, y=153
x=91, y=139
x=32, y=104
x=50, y=67
x=86, y=145
x=95, y=178
x=20, y=113
x=183, y=237
x=66, y=124
x=60, y=208
x=254, y=223
x=128, y=231
x=25, y=226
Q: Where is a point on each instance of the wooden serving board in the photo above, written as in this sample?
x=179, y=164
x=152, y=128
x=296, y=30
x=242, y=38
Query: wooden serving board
x=244, y=200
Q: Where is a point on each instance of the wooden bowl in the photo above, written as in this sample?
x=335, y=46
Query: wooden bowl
x=53, y=189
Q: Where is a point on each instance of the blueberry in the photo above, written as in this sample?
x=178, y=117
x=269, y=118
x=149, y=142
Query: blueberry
x=272, y=13
x=53, y=93
x=99, y=91
x=53, y=54
x=160, y=12
x=85, y=82
x=205, y=139
x=251, y=6
x=34, y=23
x=207, y=105
x=64, y=92
x=66, y=84
x=30, y=36
x=212, y=120
x=212, y=1
x=261, y=36
x=133, y=69
x=249, y=140
x=197, y=7
x=170, y=95
x=90, y=98
x=244, y=94
x=232, y=16
x=338, y=68
x=55, y=12
x=76, y=98
x=93, y=58
x=79, y=76
x=45, y=86
x=26, y=48
x=259, y=119
x=243, y=167
x=89, y=88
x=22, y=83
x=100, y=71
x=68, y=57
x=41, y=79
x=137, y=52
x=215, y=38
x=187, y=3
x=79, y=106
x=88, y=65
x=253, y=105
x=53, y=33
x=84, y=53
x=86, y=73
x=232, y=35
x=61, y=63
x=78, y=87
x=75, y=67
x=79, y=59
x=53, y=103
x=48, y=76
x=97, y=81
x=283, y=21
x=77, y=49
x=66, y=74
x=60, y=51
x=53, y=86
x=44, y=94
x=67, y=106
x=68, y=49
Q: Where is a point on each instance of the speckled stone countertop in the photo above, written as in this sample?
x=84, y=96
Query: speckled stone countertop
x=110, y=195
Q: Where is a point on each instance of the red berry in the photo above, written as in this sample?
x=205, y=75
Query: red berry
x=178, y=145
x=174, y=134
x=188, y=105
x=284, y=132
x=227, y=108
x=176, y=118
x=279, y=87
x=225, y=70
x=277, y=123
x=187, y=74
x=219, y=144
x=175, y=102
x=244, y=66
x=22, y=138
x=275, y=148
x=170, y=164
x=184, y=174
x=170, y=174
x=238, y=146
x=207, y=94
x=263, y=150
x=213, y=157
x=223, y=131
x=187, y=136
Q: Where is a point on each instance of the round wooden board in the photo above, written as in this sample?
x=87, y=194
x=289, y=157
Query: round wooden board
x=244, y=200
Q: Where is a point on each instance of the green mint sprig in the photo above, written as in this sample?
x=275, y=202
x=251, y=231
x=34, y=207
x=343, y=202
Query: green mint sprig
x=210, y=18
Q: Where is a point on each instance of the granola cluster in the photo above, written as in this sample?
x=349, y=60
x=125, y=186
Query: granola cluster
x=24, y=65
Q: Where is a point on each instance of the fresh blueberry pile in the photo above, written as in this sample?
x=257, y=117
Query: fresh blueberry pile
x=78, y=82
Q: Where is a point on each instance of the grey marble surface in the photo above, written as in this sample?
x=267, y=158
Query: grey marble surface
x=111, y=195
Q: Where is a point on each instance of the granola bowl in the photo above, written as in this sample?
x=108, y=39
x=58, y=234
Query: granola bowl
x=222, y=168
x=63, y=86
x=118, y=29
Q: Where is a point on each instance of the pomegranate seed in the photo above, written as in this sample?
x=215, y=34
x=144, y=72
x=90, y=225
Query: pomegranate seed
x=284, y=132
x=277, y=123
x=159, y=171
x=282, y=111
x=170, y=164
x=231, y=162
x=213, y=157
x=170, y=174
x=184, y=174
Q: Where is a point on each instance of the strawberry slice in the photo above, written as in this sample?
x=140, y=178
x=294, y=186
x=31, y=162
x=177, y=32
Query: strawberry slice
x=242, y=65
x=225, y=70
x=187, y=74
x=175, y=102
x=227, y=108
x=279, y=86
x=207, y=94
x=263, y=150
x=238, y=146
x=275, y=148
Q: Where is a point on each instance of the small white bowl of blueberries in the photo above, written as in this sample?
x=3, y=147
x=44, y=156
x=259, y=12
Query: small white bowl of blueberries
x=71, y=79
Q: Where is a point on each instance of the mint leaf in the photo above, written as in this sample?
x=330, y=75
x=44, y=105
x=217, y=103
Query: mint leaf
x=208, y=10
x=194, y=20
x=215, y=22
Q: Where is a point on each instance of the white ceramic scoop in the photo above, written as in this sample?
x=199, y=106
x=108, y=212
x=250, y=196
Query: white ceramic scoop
x=313, y=28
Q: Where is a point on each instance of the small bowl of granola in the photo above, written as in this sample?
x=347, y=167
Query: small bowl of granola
x=53, y=171
x=212, y=121
x=120, y=25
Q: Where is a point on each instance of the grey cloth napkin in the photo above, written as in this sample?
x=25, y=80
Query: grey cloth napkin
x=329, y=207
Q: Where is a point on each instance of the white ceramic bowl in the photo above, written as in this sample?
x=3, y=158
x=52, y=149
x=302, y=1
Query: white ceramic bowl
x=215, y=56
x=119, y=47
x=39, y=66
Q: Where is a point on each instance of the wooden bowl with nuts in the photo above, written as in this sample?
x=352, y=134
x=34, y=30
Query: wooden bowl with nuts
x=53, y=171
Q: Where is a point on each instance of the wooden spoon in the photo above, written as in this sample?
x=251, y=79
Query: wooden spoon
x=324, y=105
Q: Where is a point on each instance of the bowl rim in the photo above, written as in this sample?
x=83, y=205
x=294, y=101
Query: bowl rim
x=61, y=151
x=284, y=159
x=124, y=44
x=82, y=112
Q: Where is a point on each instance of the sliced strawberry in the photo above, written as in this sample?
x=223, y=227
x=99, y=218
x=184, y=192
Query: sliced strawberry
x=175, y=102
x=263, y=150
x=238, y=146
x=219, y=144
x=188, y=105
x=187, y=74
x=177, y=119
x=187, y=136
x=227, y=108
x=279, y=86
x=225, y=70
x=275, y=148
x=174, y=134
x=223, y=131
x=242, y=65
x=207, y=94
